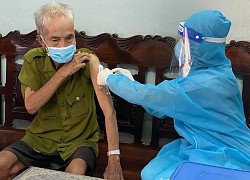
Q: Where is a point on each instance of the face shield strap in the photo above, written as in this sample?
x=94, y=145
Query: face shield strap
x=196, y=36
x=214, y=40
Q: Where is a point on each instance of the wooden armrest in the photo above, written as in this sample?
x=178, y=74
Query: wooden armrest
x=8, y=135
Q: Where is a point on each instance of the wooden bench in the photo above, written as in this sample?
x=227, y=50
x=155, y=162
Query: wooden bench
x=239, y=54
x=140, y=51
x=143, y=53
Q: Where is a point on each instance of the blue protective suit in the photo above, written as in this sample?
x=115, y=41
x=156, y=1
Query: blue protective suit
x=206, y=105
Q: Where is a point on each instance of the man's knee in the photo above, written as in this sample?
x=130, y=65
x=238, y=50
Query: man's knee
x=6, y=162
x=9, y=164
x=6, y=159
x=77, y=166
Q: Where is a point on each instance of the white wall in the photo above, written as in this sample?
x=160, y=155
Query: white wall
x=128, y=17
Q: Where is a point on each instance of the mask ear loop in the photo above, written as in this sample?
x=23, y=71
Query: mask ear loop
x=46, y=47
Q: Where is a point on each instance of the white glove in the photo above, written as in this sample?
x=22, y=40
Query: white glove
x=125, y=72
x=102, y=76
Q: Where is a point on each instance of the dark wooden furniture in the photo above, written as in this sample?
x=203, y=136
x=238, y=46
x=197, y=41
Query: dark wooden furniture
x=143, y=52
x=140, y=51
x=239, y=54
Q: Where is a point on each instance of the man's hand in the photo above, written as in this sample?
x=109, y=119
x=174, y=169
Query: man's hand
x=113, y=170
x=76, y=63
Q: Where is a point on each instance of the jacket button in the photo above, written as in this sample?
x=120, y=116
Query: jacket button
x=77, y=98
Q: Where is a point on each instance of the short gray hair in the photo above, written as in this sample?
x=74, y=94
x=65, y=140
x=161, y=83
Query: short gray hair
x=48, y=11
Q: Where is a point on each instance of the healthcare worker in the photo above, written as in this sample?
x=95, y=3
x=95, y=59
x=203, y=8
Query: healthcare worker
x=204, y=100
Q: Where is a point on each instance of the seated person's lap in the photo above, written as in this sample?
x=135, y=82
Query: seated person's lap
x=29, y=157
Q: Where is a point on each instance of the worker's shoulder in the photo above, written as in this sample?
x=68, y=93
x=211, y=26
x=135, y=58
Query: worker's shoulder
x=33, y=53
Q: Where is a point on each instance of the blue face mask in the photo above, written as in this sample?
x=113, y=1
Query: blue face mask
x=61, y=55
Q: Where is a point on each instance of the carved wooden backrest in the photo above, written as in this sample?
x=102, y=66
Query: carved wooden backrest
x=141, y=51
x=12, y=45
x=239, y=54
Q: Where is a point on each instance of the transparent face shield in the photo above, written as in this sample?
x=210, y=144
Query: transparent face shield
x=182, y=60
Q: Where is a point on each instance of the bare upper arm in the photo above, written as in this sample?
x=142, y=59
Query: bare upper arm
x=104, y=99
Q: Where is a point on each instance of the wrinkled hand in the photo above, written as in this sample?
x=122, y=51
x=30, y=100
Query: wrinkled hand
x=113, y=171
x=125, y=72
x=102, y=76
x=76, y=63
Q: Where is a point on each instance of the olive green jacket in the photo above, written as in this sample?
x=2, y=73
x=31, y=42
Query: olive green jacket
x=68, y=120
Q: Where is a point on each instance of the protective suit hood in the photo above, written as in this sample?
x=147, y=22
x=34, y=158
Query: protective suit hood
x=210, y=23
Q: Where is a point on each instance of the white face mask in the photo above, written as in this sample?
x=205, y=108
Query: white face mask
x=61, y=55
